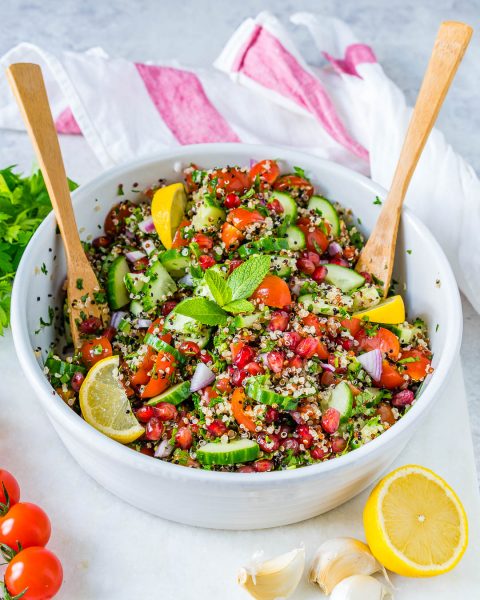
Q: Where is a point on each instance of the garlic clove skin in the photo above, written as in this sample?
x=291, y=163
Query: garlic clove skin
x=339, y=558
x=361, y=587
x=275, y=578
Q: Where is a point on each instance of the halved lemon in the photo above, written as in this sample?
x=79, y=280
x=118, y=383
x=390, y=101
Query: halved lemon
x=105, y=405
x=415, y=524
x=390, y=311
x=168, y=208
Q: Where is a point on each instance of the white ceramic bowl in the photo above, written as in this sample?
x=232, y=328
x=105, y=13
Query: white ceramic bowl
x=233, y=500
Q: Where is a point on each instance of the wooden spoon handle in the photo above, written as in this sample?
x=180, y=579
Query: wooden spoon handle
x=27, y=83
x=452, y=40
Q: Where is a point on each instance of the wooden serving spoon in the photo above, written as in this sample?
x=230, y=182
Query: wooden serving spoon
x=27, y=83
x=378, y=255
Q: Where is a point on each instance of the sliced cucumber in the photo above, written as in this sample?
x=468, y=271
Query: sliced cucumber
x=406, y=333
x=345, y=279
x=207, y=216
x=366, y=297
x=263, y=246
x=287, y=203
x=326, y=209
x=160, y=346
x=136, y=307
x=134, y=283
x=246, y=321
x=159, y=286
x=174, y=395
x=282, y=266
x=296, y=238
x=342, y=399
x=264, y=396
x=317, y=305
x=188, y=329
x=61, y=371
x=231, y=453
x=116, y=291
x=175, y=262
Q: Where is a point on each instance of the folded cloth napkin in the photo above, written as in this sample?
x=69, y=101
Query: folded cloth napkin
x=261, y=90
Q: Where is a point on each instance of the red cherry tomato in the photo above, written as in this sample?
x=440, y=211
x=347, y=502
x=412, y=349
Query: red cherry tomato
x=293, y=183
x=243, y=217
x=179, y=240
x=384, y=340
x=231, y=236
x=9, y=491
x=25, y=524
x=142, y=375
x=390, y=378
x=115, y=219
x=416, y=370
x=36, y=570
x=232, y=180
x=315, y=238
x=237, y=401
x=353, y=325
x=94, y=350
x=161, y=375
x=273, y=291
x=312, y=320
x=266, y=170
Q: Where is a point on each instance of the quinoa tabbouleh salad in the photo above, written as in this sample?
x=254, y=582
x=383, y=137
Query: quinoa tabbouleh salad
x=241, y=337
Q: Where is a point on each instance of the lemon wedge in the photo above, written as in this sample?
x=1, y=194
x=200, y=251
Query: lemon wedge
x=168, y=208
x=415, y=524
x=105, y=405
x=390, y=311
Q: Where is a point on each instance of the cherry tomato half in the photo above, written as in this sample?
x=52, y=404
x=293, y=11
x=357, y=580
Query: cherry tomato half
x=294, y=183
x=25, y=524
x=315, y=238
x=384, y=340
x=161, y=375
x=236, y=401
x=416, y=370
x=352, y=324
x=243, y=217
x=231, y=236
x=390, y=378
x=10, y=484
x=94, y=350
x=266, y=170
x=273, y=291
x=36, y=570
x=231, y=179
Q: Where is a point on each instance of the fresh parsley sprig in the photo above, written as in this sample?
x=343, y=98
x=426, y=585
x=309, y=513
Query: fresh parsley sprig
x=230, y=295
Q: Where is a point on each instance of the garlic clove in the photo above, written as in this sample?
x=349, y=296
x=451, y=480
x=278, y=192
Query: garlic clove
x=274, y=578
x=339, y=558
x=361, y=587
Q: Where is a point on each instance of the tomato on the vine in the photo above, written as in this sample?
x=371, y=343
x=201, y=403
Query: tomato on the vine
x=9, y=491
x=34, y=572
x=24, y=525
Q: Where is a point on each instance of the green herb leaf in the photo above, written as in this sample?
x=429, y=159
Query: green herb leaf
x=202, y=310
x=218, y=286
x=239, y=306
x=300, y=172
x=248, y=276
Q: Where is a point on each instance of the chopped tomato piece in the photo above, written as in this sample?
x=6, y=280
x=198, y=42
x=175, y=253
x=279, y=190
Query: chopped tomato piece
x=353, y=325
x=418, y=369
x=390, y=378
x=237, y=400
x=231, y=236
x=312, y=320
x=235, y=347
x=242, y=217
x=142, y=374
x=156, y=328
x=384, y=340
x=294, y=182
x=231, y=179
x=315, y=238
x=161, y=375
x=179, y=240
x=273, y=291
x=266, y=170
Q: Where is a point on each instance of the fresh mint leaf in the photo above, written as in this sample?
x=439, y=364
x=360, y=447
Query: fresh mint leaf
x=248, y=276
x=202, y=310
x=239, y=306
x=301, y=173
x=218, y=287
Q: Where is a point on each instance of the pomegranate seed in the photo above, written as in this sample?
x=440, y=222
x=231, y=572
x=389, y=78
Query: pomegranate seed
x=263, y=465
x=147, y=451
x=312, y=257
x=141, y=264
x=245, y=355
x=168, y=307
x=346, y=343
x=76, y=381
x=184, y=438
x=206, y=261
x=307, y=347
x=305, y=266
x=102, y=241
x=292, y=445
x=368, y=277
x=279, y=321
x=217, y=428
x=206, y=357
x=90, y=326
x=295, y=363
x=291, y=339
x=275, y=361
x=330, y=420
x=232, y=201
x=234, y=264
x=144, y=413
x=339, y=261
x=109, y=333
x=237, y=376
x=327, y=378
x=403, y=398
x=204, y=241
x=268, y=442
x=338, y=444
x=154, y=429
x=223, y=385
x=165, y=411
x=245, y=469
x=284, y=431
x=189, y=348
x=254, y=368
x=320, y=273
x=271, y=415
x=275, y=207
x=304, y=435
x=297, y=417
x=318, y=453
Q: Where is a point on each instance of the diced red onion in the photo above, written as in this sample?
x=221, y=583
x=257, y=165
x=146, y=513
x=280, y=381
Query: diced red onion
x=202, y=377
x=116, y=318
x=143, y=323
x=164, y=449
x=324, y=261
x=147, y=225
x=186, y=280
x=134, y=255
x=148, y=246
x=129, y=234
x=327, y=367
x=334, y=248
x=372, y=363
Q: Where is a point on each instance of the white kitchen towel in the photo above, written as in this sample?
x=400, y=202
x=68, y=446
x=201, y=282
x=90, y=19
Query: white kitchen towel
x=261, y=90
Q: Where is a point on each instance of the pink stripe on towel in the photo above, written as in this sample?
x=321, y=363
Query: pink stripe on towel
x=66, y=123
x=270, y=64
x=184, y=107
x=355, y=54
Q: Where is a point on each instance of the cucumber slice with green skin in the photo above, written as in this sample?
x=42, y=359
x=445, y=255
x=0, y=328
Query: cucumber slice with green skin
x=175, y=262
x=188, y=329
x=345, y=279
x=246, y=321
x=296, y=238
x=207, y=216
x=317, y=305
x=265, y=396
x=136, y=307
x=61, y=371
x=288, y=204
x=124, y=326
x=160, y=346
x=263, y=246
x=342, y=399
x=159, y=286
x=175, y=395
x=406, y=335
x=117, y=293
x=134, y=283
x=231, y=453
x=282, y=266
x=326, y=209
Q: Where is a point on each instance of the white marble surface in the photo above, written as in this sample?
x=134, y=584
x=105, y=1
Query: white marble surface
x=98, y=552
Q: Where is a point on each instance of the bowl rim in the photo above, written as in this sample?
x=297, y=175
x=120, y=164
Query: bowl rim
x=65, y=417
